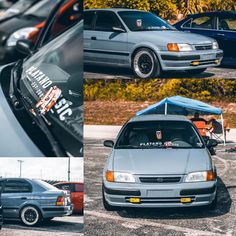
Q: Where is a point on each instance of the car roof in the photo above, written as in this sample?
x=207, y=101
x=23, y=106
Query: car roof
x=113, y=9
x=158, y=118
x=211, y=13
x=15, y=178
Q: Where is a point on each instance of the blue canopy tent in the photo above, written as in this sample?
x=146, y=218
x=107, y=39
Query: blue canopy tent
x=179, y=105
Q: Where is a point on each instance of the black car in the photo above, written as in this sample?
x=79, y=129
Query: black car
x=218, y=25
x=16, y=9
x=22, y=27
x=42, y=96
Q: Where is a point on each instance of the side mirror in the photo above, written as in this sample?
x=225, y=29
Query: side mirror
x=212, y=143
x=24, y=46
x=118, y=30
x=108, y=143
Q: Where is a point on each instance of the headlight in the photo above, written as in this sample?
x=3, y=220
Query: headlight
x=179, y=47
x=215, y=45
x=23, y=33
x=119, y=177
x=200, y=176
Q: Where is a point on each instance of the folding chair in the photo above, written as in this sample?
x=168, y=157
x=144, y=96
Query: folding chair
x=216, y=130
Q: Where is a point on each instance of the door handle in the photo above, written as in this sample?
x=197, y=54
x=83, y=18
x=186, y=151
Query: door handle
x=24, y=198
x=222, y=35
x=94, y=38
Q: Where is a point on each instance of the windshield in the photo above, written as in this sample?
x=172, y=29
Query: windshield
x=143, y=21
x=52, y=83
x=45, y=185
x=20, y=6
x=41, y=10
x=159, y=134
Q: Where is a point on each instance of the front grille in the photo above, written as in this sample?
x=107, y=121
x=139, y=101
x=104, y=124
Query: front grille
x=175, y=179
x=203, y=47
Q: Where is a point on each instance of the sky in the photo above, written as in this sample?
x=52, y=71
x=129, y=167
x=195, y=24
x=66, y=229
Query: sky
x=42, y=168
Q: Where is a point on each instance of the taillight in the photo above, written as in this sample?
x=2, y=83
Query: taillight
x=60, y=201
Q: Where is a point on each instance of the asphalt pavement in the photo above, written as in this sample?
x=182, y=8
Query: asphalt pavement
x=58, y=226
x=174, y=222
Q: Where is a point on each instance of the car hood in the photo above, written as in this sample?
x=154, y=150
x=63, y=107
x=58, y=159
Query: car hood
x=172, y=36
x=160, y=161
x=14, y=141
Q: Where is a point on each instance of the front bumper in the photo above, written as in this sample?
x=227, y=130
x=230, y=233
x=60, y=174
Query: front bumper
x=190, y=60
x=57, y=211
x=160, y=195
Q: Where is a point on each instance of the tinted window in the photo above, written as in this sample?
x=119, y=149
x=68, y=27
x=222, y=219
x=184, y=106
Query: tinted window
x=159, y=134
x=67, y=187
x=17, y=186
x=44, y=185
x=204, y=22
x=227, y=23
x=88, y=20
x=143, y=21
x=79, y=187
x=106, y=21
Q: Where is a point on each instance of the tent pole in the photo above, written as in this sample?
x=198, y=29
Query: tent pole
x=223, y=129
x=166, y=108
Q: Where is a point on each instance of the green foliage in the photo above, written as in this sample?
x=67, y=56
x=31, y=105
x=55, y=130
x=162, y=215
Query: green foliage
x=209, y=90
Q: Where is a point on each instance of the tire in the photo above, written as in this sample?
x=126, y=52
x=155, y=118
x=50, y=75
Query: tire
x=30, y=215
x=213, y=204
x=196, y=71
x=145, y=64
x=106, y=205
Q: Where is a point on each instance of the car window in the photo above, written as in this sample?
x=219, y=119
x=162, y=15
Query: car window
x=227, y=23
x=44, y=185
x=103, y=24
x=17, y=186
x=159, y=134
x=52, y=82
x=203, y=22
x=79, y=187
x=68, y=15
x=88, y=20
x=66, y=186
x=143, y=21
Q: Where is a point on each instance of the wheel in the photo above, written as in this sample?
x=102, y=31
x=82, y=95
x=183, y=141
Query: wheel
x=106, y=205
x=213, y=204
x=145, y=64
x=30, y=216
x=196, y=71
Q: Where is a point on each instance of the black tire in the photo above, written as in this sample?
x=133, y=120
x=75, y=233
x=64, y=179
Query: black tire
x=145, y=64
x=196, y=71
x=213, y=204
x=106, y=205
x=30, y=215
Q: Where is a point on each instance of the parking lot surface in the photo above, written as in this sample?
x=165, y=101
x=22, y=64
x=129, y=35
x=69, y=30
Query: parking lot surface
x=191, y=221
x=97, y=72
x=58, y=226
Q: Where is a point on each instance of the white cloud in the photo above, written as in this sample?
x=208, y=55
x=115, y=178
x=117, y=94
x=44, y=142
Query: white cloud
x=43, y=168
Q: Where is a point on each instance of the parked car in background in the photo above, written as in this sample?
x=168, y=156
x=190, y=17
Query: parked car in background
x=76, y=190
x=218, y=25
x=32, y=201
x=16, y=9
x=1, y=216
x=159, y=161
x=42, y=96
x=142, y=41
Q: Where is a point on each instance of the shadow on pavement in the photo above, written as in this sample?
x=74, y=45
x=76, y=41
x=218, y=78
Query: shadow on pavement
x=223, y=207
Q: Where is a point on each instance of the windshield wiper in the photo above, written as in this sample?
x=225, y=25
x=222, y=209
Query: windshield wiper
x=18, y=100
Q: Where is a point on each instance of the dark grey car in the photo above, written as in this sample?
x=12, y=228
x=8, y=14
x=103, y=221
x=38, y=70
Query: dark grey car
x=32, y=201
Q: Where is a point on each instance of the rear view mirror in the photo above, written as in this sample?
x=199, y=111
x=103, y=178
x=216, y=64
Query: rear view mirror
x=108, y=143
x=212, y=143
x=24, y=46
x=118, y=30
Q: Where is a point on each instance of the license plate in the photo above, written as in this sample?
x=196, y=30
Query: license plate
x=160, y=193
x=208, y=57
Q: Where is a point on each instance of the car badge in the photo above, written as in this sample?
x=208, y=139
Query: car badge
x=159, y=135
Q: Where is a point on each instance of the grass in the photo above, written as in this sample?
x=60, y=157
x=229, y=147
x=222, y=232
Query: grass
x=118, y=112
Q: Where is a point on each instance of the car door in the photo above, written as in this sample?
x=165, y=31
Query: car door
x=108, y=45
x=226, y=34
x=203, y=24
x=14, y=194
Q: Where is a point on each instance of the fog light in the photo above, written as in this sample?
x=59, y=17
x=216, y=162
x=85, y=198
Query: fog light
x=217, y=61
x=195, y=63
x=134, y=200
x=186, y=200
